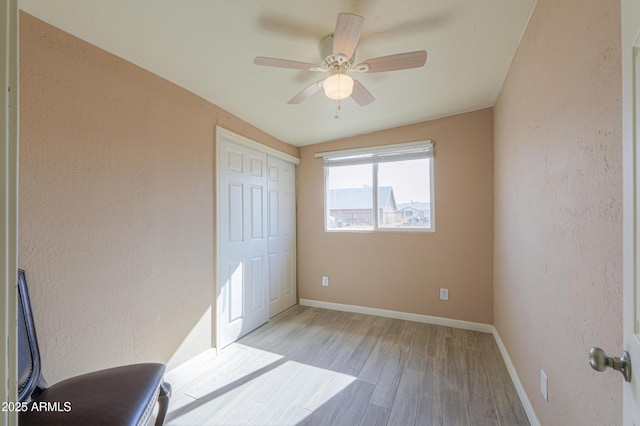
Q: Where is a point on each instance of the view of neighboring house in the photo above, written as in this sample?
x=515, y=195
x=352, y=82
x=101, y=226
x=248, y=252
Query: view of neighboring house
x=415, y=211
x=354, y=206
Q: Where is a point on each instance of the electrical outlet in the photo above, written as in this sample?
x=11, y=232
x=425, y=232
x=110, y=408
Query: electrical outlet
x=325, y=281
x=543, y=385
x=444, y=294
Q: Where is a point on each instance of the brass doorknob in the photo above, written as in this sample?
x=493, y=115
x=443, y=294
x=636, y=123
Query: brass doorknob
x=600, y=361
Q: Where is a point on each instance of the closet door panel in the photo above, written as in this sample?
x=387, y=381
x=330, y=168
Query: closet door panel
x=242, y=288
x=281, y=218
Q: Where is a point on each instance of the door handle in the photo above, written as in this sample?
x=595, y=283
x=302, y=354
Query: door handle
x=600, y=361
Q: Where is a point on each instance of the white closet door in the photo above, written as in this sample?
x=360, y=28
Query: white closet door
x=282, y=238
x=242, y=290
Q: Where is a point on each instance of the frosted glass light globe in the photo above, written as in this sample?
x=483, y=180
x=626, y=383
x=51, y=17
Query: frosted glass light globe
x=338, y=86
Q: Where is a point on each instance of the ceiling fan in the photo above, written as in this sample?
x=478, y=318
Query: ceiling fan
x=338, y=51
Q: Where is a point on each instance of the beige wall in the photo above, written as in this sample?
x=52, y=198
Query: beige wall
x=116, y=206
x=558, y=199
x=404, y=271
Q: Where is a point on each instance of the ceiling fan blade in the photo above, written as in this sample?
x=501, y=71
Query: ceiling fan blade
x=347, y=34
x=284, y=63
x=400, y=61
x=360, y=94
x=307, y=92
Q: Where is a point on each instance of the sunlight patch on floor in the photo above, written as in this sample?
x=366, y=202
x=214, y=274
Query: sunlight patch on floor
x=245, y=385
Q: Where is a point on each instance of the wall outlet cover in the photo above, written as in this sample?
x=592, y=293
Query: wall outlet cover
x=444, y=294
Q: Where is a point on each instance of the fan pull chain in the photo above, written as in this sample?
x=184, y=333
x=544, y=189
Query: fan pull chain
x=337, y=116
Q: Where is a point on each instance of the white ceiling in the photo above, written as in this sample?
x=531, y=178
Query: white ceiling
x=207, y=47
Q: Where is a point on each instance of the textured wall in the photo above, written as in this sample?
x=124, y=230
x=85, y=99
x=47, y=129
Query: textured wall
x=116, y=206
x=558, y=198
x=399, y=270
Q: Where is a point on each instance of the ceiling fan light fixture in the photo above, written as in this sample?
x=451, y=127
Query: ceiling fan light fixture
x=338, y=86
x=338, y=52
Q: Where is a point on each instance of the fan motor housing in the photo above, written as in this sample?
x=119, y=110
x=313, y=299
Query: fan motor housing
x=330, y=61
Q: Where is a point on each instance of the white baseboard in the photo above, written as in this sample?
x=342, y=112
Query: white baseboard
x=466, y=325
x=522, y=394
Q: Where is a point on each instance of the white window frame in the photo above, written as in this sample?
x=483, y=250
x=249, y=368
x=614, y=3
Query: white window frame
x=374, y=156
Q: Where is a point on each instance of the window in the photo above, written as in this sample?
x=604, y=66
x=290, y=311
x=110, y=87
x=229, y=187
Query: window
x=380, y=188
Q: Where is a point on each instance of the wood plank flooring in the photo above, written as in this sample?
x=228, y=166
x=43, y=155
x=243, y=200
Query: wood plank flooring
x=313, y=366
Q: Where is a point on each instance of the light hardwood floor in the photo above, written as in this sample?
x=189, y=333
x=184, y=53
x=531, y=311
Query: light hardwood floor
x=314, y=366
